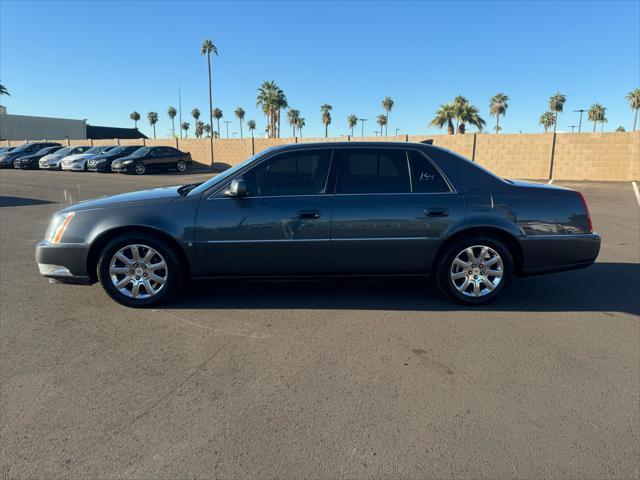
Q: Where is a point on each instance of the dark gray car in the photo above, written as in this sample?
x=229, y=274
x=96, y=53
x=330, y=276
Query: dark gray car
x=322, y=210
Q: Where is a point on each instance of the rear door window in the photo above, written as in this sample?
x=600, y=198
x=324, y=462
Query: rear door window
x=425, y=177
x=373, y=170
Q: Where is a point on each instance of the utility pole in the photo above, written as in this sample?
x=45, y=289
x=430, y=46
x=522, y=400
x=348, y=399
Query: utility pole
x=397, y=130
x=580, y=122
x=179, y=109
x=572, y=127
x=362, y=120
x=227, y=122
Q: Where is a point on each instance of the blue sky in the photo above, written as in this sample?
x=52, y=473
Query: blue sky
x=102, y=60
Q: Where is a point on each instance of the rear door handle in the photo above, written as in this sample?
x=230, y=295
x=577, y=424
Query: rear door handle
x=437, y=212
x=309, y=214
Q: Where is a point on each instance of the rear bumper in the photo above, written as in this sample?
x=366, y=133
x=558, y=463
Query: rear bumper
x=558, y=253
x=66, y=263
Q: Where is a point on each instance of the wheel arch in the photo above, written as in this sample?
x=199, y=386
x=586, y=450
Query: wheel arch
x=105, y=237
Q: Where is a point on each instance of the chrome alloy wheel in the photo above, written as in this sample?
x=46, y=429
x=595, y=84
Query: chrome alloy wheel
x=181, y=165
x=138, y=271
x=477, y=271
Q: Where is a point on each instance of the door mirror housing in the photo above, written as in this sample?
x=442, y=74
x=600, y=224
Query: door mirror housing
x=237, y=188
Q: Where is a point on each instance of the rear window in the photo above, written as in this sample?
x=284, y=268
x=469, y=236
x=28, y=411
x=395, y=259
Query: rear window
x=425, y=178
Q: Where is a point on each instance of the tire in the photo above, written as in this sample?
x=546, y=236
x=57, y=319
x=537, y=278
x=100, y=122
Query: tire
x=139, y=168
x=112, y=270
x=181, y=166
x=476, y=283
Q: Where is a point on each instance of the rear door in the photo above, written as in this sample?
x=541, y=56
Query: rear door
x=392, y=208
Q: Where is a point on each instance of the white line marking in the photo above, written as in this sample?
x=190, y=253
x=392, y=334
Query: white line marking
x=635, y=189
x=550, y=181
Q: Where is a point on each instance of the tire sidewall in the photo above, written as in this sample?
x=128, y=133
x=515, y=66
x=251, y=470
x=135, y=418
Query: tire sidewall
x=175, y=272
x=443, y=277
x=181, y=162
x=135, y=168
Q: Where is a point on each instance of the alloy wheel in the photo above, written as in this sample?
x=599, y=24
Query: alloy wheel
x=138, y=271
x=477, y=271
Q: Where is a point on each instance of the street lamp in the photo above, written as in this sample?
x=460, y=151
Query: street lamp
x=572, y=127
x=227, y=122
x=362, y=120
x=397, y=130
x=580, y=122
x=233, y=135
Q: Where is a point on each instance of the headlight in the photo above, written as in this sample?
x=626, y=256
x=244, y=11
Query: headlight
x=127, y=162
x=58, y=225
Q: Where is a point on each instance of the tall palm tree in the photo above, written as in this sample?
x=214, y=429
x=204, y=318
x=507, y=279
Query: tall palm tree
x=556, y=105
x=597, y=114
x=292, y=117
x=172, y=112
x=135, y=116
x=381, y=120
x=547, y=120
x=153, y=119
x=467, y=113
x=444, y=116
x=4, y=91
x=185, y=126
x=387, y=104
x=634, y=102
x=217, y=114
x=352, y=121
x=300, y=123
x=207, y=48
x=239, y=112
x=199, y=129
x=206, y=128
x=195, y=113
x=459, y=102
x=325, y=109
x=270, y=99
x=498, y=106
x=251, y=125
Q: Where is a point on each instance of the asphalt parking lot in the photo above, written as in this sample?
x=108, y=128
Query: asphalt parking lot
x=317, y=379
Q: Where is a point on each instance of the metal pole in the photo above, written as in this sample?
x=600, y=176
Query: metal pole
x=580, y=122
x=362, y=120
x=180, y=109
x=227, y=122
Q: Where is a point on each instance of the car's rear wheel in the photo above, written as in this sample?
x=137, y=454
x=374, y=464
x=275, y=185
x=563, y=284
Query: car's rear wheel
x=139, y=168
x=475, y=270
x=139, y=270
x=181, y=166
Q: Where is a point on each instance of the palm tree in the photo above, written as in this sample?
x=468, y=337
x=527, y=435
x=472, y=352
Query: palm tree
x=381, y=121
x=352, y=121
x=185, y=126
x=547, y=120
x=239, y=111
x=634, y=102
x=207, y=48
x=292, y=117
x=300, y=123
x=387, y=104
x=153, y=119
x=217, y=114
x=206, y=128
x=268, y=100
x=620, y=129
x=596, y=114
x=135, y=116
x=498, y=106
x=444, y=116
x=172, y=112
x=325, y=109
x=4, y=91
x=556, y=104
x=467, y=113
x=459, y=103
x=251, y=125
x=199, y=129
x=195, y=113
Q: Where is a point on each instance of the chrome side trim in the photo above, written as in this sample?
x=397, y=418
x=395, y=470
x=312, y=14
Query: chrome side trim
x=350, y=239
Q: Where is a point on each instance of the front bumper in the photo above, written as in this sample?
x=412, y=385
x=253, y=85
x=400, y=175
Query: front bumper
x=73, y=167
x=64, y=262
x=122, y=168
x=49, y=166
x=558, y=253
x=99, y=167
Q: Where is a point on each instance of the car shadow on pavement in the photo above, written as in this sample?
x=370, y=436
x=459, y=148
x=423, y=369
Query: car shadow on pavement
x=607, y=287
x=20, y=201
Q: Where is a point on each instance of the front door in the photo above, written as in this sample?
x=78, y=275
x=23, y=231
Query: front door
x=281, y=227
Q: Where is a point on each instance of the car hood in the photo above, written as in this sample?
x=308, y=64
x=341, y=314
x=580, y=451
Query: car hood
x=79, y=156
x=29, y=157
x=128, y=157
x=141, y=197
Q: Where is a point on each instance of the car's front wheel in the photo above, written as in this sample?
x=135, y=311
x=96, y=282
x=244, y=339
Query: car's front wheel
x=139, y=168
x=181, y=166
x=139, y=271
x=475, y=270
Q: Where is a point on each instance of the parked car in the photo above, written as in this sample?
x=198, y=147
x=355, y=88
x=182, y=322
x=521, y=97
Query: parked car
x=102, y=163
x=78, y=162
x=7, y=159
x=6, y=149
x=31, y=162
x=148, y=159
x=320, y=210
x=53, y=160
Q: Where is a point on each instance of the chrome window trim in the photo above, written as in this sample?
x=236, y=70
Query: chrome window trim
x=452, y=189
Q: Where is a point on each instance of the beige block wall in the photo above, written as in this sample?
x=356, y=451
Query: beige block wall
x=515, y=156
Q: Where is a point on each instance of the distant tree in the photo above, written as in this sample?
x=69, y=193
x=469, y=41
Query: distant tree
x=172, y=112
x=498, y=106
x=239, y=112
x=251, y=125
x=620, y=129
x=206, y=128
x=556, y=105
x=195, y=113
x=387, y=104
x=185, y=126
x=597, y=114
x=207, y=48
x=271, y=99
x=469, y=114
x=199, y=129
x=292, y=117
x=444, y=116
x=634, y=102
x=4, y=91
x=217, y=114
x=325, y=109
x=382, y=122
x=547, y=120
x=153, y=119
x=352, y=121
x=135, y=116
x=300, y=124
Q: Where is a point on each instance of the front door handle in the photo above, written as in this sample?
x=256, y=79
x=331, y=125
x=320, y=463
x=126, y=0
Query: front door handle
x=309, y=214
x=437, y=212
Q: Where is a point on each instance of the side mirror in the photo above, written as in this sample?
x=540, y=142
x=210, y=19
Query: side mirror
x=237, y=188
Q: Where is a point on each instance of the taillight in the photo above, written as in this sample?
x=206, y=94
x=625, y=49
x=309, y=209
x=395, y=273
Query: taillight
x=586, y=209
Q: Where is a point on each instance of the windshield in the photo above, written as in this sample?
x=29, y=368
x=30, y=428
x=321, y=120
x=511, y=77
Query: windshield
x=95, y=150
x=116, y=151
x=226, y=174
x=22, y=148
x=141, y=151
x=45, y=150
x=64, y=151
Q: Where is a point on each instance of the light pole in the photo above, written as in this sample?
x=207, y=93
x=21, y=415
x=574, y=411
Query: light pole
x=376, y=132
x=227, y=122
x=397, y=130
x=580, y=122
x=572, y=127
x=362, y=120
x=233, y=135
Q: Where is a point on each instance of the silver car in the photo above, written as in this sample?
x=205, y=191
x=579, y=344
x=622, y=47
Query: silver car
x=78, y=161
x=53, y=160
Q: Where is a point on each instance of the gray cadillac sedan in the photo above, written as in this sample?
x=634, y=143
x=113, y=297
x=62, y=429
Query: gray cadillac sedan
x=326, y=209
